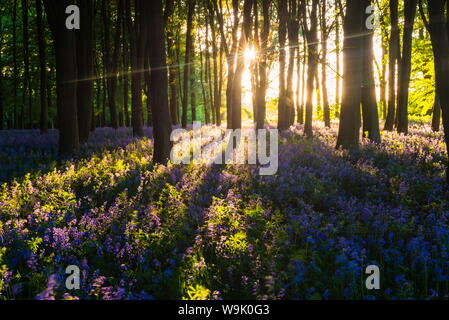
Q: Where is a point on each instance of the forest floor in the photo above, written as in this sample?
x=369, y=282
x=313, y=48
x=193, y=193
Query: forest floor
x=223, y=231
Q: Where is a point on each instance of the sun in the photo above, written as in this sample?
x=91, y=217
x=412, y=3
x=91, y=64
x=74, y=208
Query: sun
x=250, y=54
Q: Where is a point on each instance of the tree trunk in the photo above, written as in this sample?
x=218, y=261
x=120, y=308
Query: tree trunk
x=406, y=65
x=349, y=129
x=66, y=75
x=126, y=63
x=138, y=37
x=192, y=77
x=436, y=115
x=369, y=100
x=324, y=37
x=312, y=42
x=85, y=61
x=217, y=102
x=261, y=90
x=293, y=33
x=188, y=56
x=112, y=62
x=240, y=66
x=27, y=90
x=159, y=83
x=15, y=67
x=173, y=65
x=440, y=43
x=392, y=60
x=337, y=65
x=2, y=111
x=42, y=68
x=282, y=106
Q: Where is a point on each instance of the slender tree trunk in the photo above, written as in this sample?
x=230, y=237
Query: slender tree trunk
x=369, y=100
x=192, y=78
x=15, y=67
x=240, y=66
x=312, y=41
x=159, y=80
x=324, y=37
x=112, y=62
x=85, y=61
x=392, y=60
x=440, y=43
x=303, y=81
x=349, y=130
x=293, y=32
x=173, y=65
x=2, y=111
x=66, y=75
x=263, y=56
x=42, y=68
x=188, y=56
x=436, y=115
x=337, y=65
x=282, y=107
x=27, y=97
x=138, y=38
x=217, y=102
x=406, y=65
x=126, y=63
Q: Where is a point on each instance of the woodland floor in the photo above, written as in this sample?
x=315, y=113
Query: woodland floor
x=223, y=232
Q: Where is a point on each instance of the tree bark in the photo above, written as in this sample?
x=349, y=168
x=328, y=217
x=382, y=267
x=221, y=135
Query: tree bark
x=324, y=37
x=27, y=90
x=349, y=129
x=138, y=37
x=263, y=56
x=392, y=60
x=86, y=73
x=173, y=65
x=312, y=51
x=188, y=56
x=66, y=75
x=240, y=66
x=369, y=100
x=42, y=68
x=282, y=31
x=159, y=83
x=440, y=43
x=406, y=65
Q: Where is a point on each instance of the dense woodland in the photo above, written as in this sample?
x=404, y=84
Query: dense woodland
x=359, y=90
x=139, y=62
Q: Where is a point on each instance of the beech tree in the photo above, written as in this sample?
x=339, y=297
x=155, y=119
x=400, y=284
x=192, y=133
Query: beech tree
x=66, y=74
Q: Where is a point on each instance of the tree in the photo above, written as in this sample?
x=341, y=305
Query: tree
x=324, y=37
x=188, y=56
x=43, y=68
x=85, y=69
x=404, y=74
x=173, y=65
x=240, y=66
x=440, y=43
x=311, y=34
x=159, y=83
x=2, y=111
x=349, y=129
x=111, y=62
x=138, y=31
x=261, y=90
x=394, y=56
x=282, y=32
x=26, y=54
x=66, y=75
x=369, y=100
